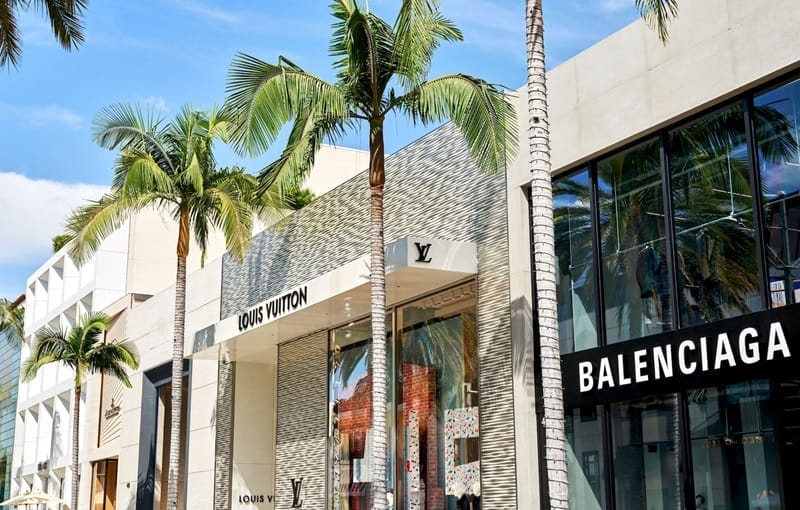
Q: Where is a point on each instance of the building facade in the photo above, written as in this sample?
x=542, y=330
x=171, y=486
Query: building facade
x=676, y=240
x=9, y=380
x=676, y=173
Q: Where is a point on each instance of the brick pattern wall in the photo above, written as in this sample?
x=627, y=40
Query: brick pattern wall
x=432, y=190
x=301, y=444
x=419, y=396
x=223, y=444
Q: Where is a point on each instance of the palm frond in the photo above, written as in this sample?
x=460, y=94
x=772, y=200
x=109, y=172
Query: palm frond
x=91, y=223
x=419, y=30
x=136, y=171
x=658, y=14
x=232, y=213
x=292, y=167
x=263, y=97
x=363, y=44
x=82, y=348
x=12, y=321
x=126, y=127
x=65, y=20
x=479, y=109
x=10, y=42
x=51, y=346
x=113, y=358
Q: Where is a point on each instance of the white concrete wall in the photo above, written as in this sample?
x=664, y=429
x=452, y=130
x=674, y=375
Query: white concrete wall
x=630, y=84
x=254, y=435
x=150, y=327
x=333, y=166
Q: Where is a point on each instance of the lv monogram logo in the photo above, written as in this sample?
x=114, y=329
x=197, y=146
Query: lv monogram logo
x=297, y=486
x=422, y=251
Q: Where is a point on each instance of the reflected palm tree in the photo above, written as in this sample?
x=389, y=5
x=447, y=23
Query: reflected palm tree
x=716, y=262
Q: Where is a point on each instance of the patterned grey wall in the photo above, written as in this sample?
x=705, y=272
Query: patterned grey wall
x=302, y=430
x=223, y=447
x=432, y=190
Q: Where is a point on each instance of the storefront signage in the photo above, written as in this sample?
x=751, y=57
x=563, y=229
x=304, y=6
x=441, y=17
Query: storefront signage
x=743, y=347
x=422, y=252
x=113, y=410
x=252, y=499
x=297, y=487
x=274, y=308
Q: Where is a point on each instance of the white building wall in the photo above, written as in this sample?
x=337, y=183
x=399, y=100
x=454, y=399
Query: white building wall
x=630, y=84
x=150, y=327
x=621, y=89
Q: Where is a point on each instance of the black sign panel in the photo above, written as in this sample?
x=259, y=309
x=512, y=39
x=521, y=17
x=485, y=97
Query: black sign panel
x=756, y=345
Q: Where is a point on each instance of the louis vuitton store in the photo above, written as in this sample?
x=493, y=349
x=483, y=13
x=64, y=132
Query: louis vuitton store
x=679, y=312
x=293, y=415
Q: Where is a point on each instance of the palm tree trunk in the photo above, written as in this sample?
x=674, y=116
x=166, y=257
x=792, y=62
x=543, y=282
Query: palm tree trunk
x=545, y=311
x=76, y=410
x=176, y=385
x=377, y=280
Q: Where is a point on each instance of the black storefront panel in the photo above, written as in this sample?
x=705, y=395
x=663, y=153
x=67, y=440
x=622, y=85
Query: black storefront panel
x=752, y=346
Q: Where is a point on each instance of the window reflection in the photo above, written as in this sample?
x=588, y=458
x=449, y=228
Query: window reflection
x=733, y=447
x=433, y=457
x=713, y=218
x=777, y=121
x=646, y=454
x=440, y=429
x=585, y=459
x=572, y=217
x=350, y=416
x=635, y=275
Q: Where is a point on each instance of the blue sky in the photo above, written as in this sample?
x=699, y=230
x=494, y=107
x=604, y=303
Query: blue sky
x=165, y=53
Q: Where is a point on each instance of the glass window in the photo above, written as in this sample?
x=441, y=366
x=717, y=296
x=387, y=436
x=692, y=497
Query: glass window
x=713, y=218
x=635, y=275
x=585, y=459
x=350, y=415
x=646, y=454
x=777, y=121
x=438, y=418
x=733, y=447
x=572, y=215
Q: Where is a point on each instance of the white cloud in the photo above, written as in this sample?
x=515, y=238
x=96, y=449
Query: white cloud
x=38, y=116
x=159, y=104
x=35, y=211
x=206, y=11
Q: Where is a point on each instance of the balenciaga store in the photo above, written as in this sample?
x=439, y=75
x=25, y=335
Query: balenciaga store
x=294, y=405
x=679, y=311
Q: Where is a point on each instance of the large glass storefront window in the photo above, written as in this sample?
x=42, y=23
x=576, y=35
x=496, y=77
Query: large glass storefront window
x=350, y=416
x=646, y=454
x=572, y=217
x=777, y=121
x=432, y=413
x=585, y=459
x=733, y=447
x=635, y=274
x=713, y=218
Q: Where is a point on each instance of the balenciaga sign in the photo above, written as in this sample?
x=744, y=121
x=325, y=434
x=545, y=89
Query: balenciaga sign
x=754, y=345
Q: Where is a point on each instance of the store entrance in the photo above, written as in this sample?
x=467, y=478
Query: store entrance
x=790, y=439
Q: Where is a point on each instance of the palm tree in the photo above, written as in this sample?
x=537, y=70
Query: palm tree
x=65, y=21
x=171, y=166
x=85, y=350
x=12, y=320
x=381, y=69
x=657, y=13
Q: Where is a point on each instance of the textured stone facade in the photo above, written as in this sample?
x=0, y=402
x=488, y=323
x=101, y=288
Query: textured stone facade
x=302, y=431
x=432, y=190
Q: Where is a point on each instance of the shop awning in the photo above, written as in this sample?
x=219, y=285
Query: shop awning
x=415, y=266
